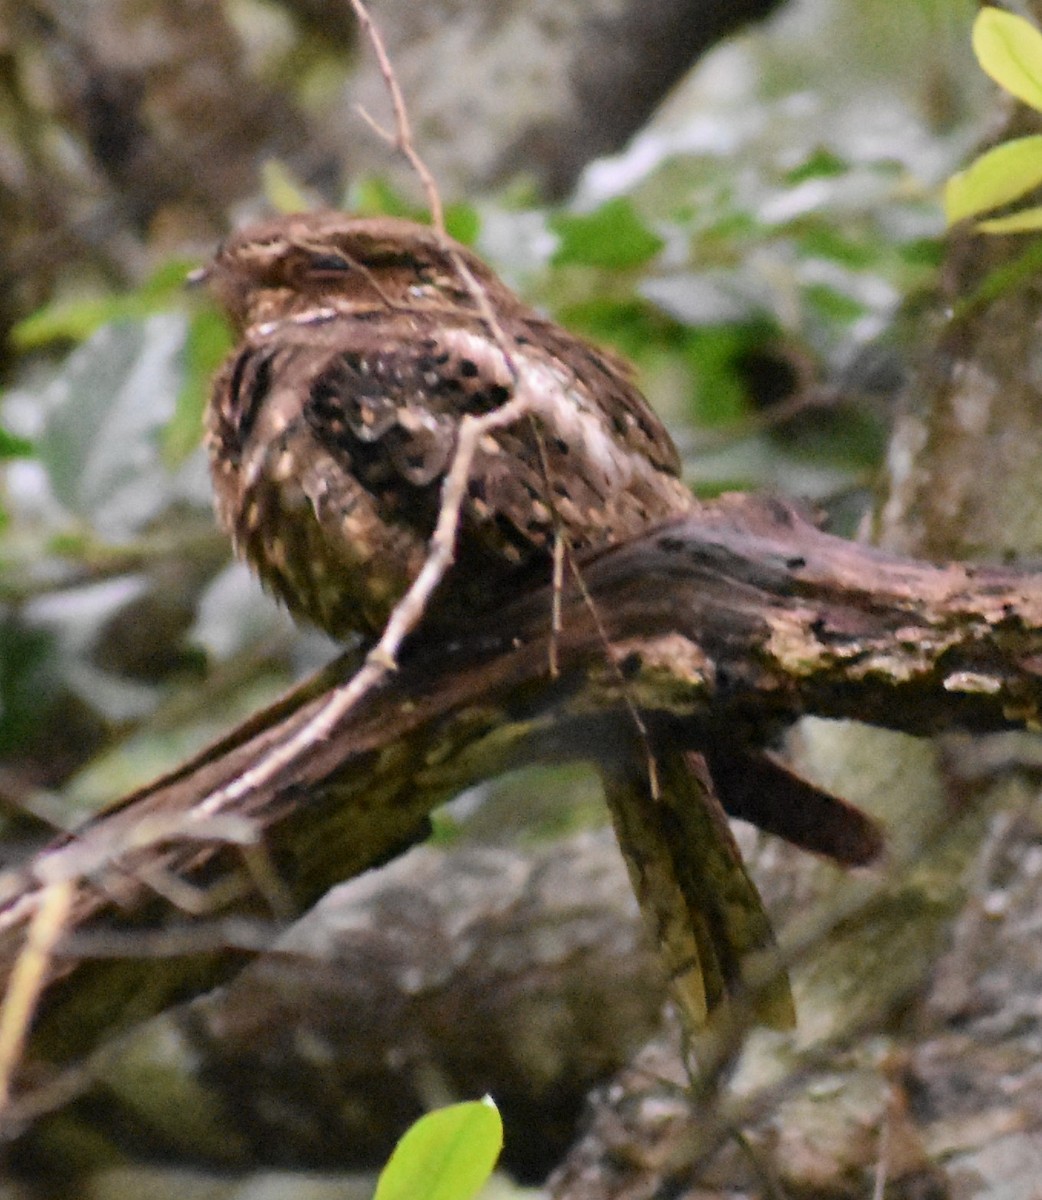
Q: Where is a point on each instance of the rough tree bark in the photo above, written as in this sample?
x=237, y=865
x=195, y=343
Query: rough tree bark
x=730, y=623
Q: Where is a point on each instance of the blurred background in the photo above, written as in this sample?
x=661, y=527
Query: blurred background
x=743, y=198
x=752, y=227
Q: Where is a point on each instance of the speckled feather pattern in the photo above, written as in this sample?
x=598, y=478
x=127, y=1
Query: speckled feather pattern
x=333, y=423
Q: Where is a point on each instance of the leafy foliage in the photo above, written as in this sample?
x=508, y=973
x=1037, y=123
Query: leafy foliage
x=613, y=236
x=446, y=1155
x=1009, y=49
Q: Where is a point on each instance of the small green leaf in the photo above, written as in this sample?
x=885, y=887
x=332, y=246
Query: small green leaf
x=612, y=236
x=73, y=321
x=446, y=1155
x=463, y=223
x=77, y=320
x=12, y=446
x=374, y=197
x=1009, y=49
x=283, y=190
x=1025, y=221
x=820, y=164
x=820, y=240
x=995, y=178
x=206, y=343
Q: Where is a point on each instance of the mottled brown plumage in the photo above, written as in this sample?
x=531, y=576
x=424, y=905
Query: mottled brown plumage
x=362, y=347
x=334, y=422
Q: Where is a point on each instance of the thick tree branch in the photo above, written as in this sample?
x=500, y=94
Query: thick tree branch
x=727, y=626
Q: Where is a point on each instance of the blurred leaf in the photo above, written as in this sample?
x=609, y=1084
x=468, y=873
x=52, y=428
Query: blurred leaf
x=826, y=241
x=12, y=446
x=629, y=324
x=72, y=320
x=612, y=236
x=995, y=178
x=24, y=693
x=821, y=164
x=921, y=252
x=715, y=354
x=1025, y=221
x=283, y=190
x=446, y=1155
x=207, y=341
x=832, y=304
x=373, y=197
x=463, y=223
x=107, y=409
x=76, y=320
x=1009, y=49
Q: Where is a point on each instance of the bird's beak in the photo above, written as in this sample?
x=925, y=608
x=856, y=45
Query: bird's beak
x=197, y=277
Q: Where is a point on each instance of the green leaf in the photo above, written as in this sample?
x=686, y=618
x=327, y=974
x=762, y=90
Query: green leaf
x=77, y=320
x=463, y=223
x=283, y=190
x=106, y=411
x=374, y=197
x=820, y=240
x=630, y=324
x=995, y=178
x=716, y=354
x=73, y=321
x=206, y=343
x=1025, y=221
x=1009, y=49
x=12, y=446
x=820, y=164
x=446, y=1155
x=612, y=236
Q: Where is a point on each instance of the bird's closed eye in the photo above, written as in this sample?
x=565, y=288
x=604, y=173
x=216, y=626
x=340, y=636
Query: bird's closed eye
x=328, y=264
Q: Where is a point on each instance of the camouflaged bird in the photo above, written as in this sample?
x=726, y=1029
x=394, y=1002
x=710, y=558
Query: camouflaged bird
x=331, y=428
x=334, y=422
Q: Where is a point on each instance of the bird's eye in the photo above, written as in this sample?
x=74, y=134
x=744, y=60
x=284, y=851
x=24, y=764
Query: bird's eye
x=328, y=264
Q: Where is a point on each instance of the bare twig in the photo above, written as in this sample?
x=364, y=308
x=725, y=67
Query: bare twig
x=530, y=392
x=624, y=686
x=29, y=977
x=405, y=616
x=883, y=1160
x=402, y=138
x=408, y=612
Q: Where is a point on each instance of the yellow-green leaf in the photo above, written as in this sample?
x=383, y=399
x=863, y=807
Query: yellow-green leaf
x=1009, y=48
x=207, y=341
x=1025, y=221
x=995, y=178
x=76, y=320
x=446, y=1155
x=283, y=190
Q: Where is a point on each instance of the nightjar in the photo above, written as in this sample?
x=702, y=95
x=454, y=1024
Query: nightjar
x=331, y=427
x=334, y=422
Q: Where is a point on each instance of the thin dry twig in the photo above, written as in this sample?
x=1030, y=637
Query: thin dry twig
x=639, y=724
x=409, y=610
x=29, y=977
x=405, y=616
x=883, y=1160
x=402, y=138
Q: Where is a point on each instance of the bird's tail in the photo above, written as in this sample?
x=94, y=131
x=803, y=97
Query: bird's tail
x=694, y=891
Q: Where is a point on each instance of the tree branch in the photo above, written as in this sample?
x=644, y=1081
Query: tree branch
x=726, y=626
